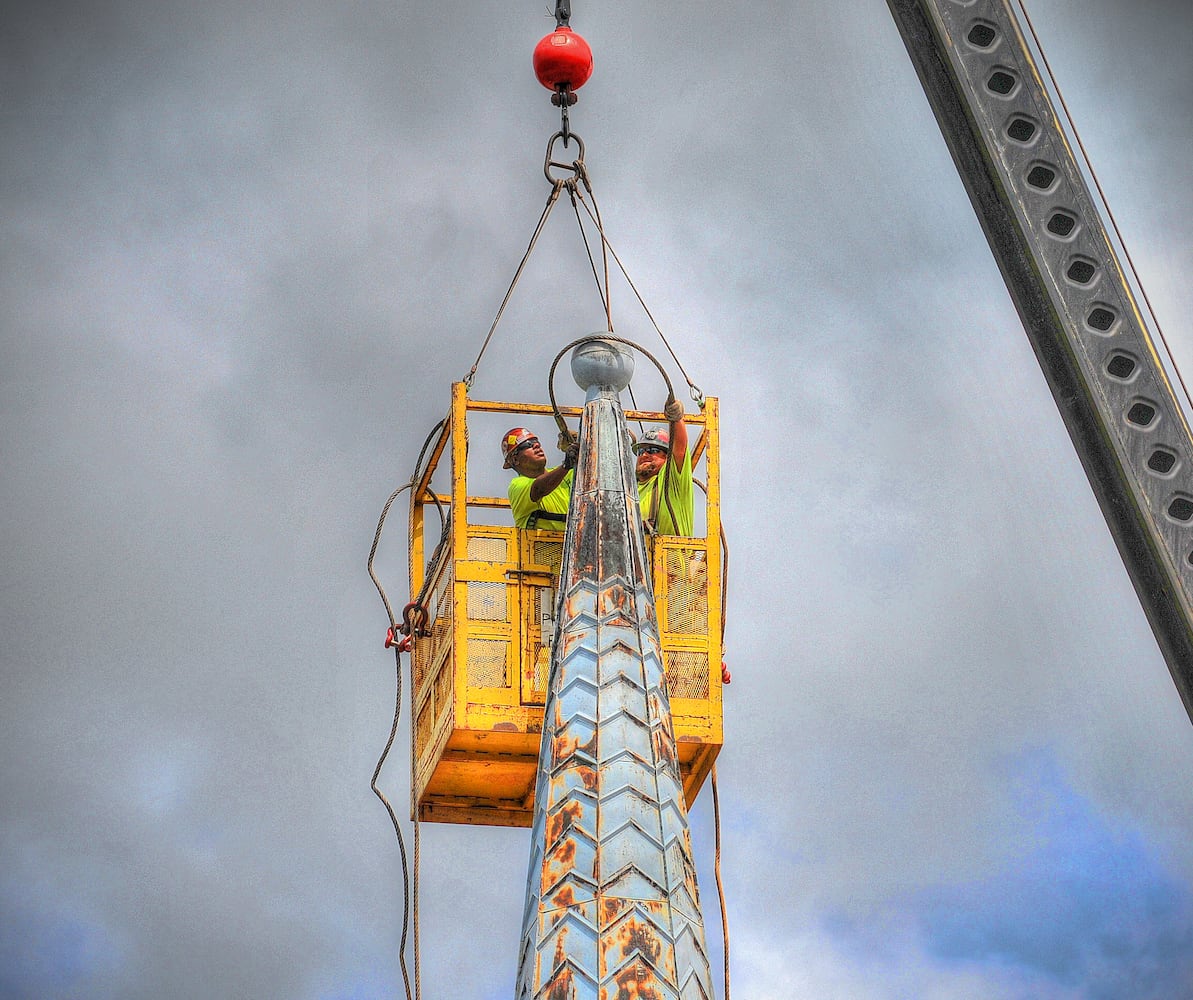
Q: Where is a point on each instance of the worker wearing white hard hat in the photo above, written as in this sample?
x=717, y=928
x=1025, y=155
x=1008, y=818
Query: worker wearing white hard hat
x=666, y=494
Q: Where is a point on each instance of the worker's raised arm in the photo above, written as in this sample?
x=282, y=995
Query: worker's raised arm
x=678, y=431
x=547, y=481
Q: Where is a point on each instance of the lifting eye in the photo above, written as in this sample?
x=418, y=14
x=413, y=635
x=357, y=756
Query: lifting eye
x=1081, y=272
x=1000, y=83
x=1181, y=509
x=1041, y=177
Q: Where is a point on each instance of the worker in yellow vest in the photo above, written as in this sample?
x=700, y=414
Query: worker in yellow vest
x=664, y=471
x=539, y=497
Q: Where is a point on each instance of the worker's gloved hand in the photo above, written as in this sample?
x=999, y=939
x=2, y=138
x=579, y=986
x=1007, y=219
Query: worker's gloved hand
x=566, y=439
x=571, y=456
x=673, y=411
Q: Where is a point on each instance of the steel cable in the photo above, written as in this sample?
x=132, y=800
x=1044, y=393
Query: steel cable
x=594, y=215
x=552, y=198
x=716, y=812
x=603, y=292
x=406, y=887
x=397, y=826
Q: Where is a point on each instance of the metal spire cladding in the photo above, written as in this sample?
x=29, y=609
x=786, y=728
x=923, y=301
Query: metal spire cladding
x=612, y=906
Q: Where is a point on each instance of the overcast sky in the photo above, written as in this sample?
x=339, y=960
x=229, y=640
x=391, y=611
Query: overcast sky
x=245, y=250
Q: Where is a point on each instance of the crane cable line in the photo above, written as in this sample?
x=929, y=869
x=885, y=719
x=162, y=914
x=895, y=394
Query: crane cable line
x=552, y=198
x=1105, y=201
x=594, y=215
x=393, y=732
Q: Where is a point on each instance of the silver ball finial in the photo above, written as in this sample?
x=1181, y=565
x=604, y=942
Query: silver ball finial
x=602, y=364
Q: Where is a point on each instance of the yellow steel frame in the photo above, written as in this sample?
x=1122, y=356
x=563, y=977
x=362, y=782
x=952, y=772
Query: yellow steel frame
x=480, y=668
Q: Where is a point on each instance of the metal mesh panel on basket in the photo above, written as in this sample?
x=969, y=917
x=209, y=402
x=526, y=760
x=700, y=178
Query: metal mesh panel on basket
x=487, y=602
x=540, y=673
x=687, y=591
x=543, y=552
x=548, y=553
x=444, y=689
x=487, y=662
x=422, y=726
x=687, y=673
x=488, y=548
x=429, y=650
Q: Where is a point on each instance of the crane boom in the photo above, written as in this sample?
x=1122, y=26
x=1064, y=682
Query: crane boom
x=1069, y=288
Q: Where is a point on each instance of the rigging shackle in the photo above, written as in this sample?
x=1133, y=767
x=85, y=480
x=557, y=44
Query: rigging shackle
x=576, y=167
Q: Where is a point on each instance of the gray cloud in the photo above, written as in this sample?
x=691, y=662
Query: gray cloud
x=246, y=251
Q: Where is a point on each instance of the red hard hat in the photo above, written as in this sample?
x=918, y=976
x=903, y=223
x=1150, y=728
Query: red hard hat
x=656, y=437
x=510, y=441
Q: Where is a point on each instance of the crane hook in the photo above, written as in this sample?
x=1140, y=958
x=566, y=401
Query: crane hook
x=563, y=64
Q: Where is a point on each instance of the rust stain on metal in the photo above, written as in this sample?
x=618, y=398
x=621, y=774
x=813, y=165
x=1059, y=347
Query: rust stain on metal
x=664, y=747
x=611, y=908
x=560, y=948
x=571, y=639
x=588, y=775
x=560, y=987
x=564, y=896
x=505, y=727
x=560, y=861
x=634, y=936
x=562, y=747
x=661, y=736
x=620, y=599
x=560, y=822
x=689, y=870
x=637, y=982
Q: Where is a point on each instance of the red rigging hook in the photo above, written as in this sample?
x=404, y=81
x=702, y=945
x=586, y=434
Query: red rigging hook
x=563, y=64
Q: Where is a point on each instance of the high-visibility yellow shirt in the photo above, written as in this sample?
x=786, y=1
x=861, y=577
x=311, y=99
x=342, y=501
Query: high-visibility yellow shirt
x=555, y=502
x=677, y=498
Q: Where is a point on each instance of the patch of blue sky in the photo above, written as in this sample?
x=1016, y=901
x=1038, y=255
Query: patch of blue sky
x=44, y=955
x=1086, y=907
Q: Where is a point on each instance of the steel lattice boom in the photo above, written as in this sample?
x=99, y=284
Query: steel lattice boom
x=1070, y=289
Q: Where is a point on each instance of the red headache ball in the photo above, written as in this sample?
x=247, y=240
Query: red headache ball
x=562, y=59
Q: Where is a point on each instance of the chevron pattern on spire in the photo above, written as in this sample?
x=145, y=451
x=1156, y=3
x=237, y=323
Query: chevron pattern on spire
x=612, y=906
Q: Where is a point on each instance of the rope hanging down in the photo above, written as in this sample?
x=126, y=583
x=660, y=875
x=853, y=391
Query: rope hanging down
x=411, y=625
